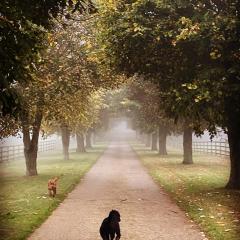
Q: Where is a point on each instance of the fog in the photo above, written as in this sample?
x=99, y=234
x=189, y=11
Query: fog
x=119, y=131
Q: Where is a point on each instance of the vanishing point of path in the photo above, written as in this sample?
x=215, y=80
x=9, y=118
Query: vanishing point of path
x=118, y=181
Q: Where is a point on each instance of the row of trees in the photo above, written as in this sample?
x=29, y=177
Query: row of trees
x=148, y=116
x=56, y=84
x=190, y=51
x=138, y=100
x=184, y=55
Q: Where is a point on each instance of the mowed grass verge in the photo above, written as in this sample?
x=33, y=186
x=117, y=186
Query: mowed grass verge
x=24, y=201
x=198, y=189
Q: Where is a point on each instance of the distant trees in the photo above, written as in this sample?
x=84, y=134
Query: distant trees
x=191, y=50
x=59, y=79
x=148, y=114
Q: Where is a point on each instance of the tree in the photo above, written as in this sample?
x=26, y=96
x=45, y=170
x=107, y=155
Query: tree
x=89, y=138
x=76, y=77
x=148, y=112
x=56, y=77
x=221, y=89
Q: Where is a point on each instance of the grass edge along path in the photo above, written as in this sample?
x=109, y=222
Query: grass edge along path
x=198, y=189
x=24, y=201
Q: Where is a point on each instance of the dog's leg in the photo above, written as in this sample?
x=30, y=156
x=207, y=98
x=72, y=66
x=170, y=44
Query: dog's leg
x=54, y=191
x=105, y=237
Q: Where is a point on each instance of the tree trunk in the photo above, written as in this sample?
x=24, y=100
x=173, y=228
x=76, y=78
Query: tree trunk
x=80, y=143
x=154, y=141
x=89, y=139
x=162, y=141
x=148, y=140
x=65, y=141
x=31, y=144
x=94, y=137
x=31, y=160
x=142, y=138
x=138, y=136
x=187, y=145
x=234, y=145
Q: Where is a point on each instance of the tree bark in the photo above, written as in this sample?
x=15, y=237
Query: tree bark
x=154, y=141
x=234, y=145
x=138, y=136
x=148, y=140
x=65, y=141
x=89, y=139
x=162, y=141
x=187, y=145
x=80, y=143
x=31, y=144
x=94, y=137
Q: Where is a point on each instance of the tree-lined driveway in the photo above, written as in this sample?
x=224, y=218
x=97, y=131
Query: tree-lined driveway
x=118, y=181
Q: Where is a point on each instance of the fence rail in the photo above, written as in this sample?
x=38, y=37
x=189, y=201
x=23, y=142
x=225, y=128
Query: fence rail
x=214, y=147
x=14, y=152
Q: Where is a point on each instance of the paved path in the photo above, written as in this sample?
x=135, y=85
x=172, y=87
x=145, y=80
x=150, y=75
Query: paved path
x=118, y=181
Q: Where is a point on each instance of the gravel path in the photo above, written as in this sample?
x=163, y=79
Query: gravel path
x=118, y=181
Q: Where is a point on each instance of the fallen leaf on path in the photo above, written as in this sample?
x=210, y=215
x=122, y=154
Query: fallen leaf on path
x=123, y=200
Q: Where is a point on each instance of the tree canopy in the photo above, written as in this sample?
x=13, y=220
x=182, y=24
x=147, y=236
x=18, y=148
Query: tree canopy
x=190, y=49
x=24, y=26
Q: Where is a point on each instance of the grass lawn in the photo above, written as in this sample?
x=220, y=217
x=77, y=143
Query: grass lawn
x=24, y=201
x=198, y=189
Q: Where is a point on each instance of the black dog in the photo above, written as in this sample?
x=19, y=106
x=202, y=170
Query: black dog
x=110, y=226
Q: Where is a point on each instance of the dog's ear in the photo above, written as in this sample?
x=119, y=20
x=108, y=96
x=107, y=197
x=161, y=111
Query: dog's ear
x=111, y=213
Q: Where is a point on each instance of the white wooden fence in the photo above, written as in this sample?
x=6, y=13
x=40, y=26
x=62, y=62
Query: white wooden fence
x=213, y=147
x=14, y=152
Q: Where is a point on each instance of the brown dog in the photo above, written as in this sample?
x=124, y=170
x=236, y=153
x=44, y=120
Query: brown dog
x=52, y=186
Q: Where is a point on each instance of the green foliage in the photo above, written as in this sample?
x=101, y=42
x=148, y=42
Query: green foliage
x=65, y=84
x=116, y=101
x=189, y=48
x=74, y=87
x=147, y=111
x=24, y=26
